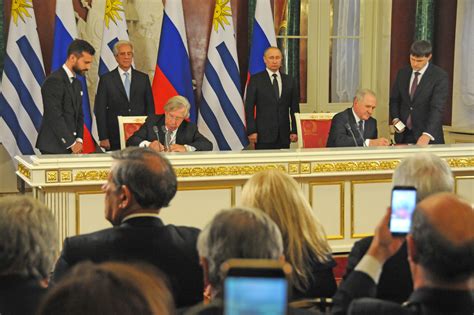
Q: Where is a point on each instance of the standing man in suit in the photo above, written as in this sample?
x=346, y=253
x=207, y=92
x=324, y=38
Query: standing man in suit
x=272, y=97
x=62, y=127
x=123, y=91
x=355, y=127
x=418, y=99
x=141, y=182
x=171, y=132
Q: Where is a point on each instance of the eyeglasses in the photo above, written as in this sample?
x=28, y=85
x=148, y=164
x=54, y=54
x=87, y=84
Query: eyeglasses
x=173, y=117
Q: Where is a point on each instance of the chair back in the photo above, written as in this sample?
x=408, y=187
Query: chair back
x=313, y=129
x=127, y=127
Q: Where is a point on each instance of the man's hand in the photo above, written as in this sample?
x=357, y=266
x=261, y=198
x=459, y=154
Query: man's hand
x=293, y=137
x=76, y=147
x=105, y=144
x=380, y=142
x=253, y=138
x=384, y=245
x=157, y=146
x=423, y=140
x=177, y=148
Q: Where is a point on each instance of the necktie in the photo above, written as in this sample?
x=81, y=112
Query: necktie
x=126, y=83
x=168, y=139
x=412, y=94
x=361, y=126
x=275, y=86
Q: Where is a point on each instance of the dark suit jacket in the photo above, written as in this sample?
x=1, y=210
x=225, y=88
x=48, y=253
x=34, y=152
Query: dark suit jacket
x=187, y=134
x=111, y=101
x=63, y=120
x=395, y=283
x=272, y=116
x=340, y=136
x=170, y=248
x=428, y=103
x=353, y=294
x=19, y=295
x=323, y=283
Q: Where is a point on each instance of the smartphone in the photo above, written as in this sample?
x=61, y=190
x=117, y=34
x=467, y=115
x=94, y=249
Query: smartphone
x=256, y=286
x=403, y=205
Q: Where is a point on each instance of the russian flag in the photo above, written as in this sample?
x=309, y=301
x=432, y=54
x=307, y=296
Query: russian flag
x=263, y=36
x=173, y=70
x=65, y=31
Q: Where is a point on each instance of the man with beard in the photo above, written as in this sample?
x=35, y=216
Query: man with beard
x=62, y=126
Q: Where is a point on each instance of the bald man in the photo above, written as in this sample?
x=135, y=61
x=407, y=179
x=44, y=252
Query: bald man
x=441, y=257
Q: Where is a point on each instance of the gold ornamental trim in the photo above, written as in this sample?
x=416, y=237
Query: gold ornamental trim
x=24, y=171
x=234, y=170
x=91, y=175
x=355, y=166
x=460, y=162
x=65, y=176
x=51, y=176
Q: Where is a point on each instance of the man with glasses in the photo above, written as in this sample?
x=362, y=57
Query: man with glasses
x=171, y=132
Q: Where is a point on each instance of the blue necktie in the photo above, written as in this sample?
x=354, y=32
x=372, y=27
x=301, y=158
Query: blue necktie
x=126, y=83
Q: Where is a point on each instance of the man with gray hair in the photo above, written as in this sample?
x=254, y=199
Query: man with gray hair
x=429, y=174
x=28, y=245
x=141, y=182
x=171, y=132
x=355, y=126
x=123, y=91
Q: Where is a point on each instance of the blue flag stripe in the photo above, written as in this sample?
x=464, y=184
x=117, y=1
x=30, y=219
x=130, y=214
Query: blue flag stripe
x=259, y=44
x=229, y=64
x=102, y=67
x=11, y=71
x=226, y=104
x=213, y=124
x=11, y=120
x=62, y=39
x=32, y=59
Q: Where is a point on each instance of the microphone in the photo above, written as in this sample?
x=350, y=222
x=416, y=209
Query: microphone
x=361, y=137
x=167, y=137
x=348, y=127
x=155, y=130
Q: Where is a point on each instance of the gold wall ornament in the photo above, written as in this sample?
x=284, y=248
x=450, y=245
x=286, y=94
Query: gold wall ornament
x=234, y=170
x=65, y=176
x=294, y=168
x=91, y=175
x=351, y=166
x=24, y=171
x=305, y=168
x=460, y=162
x=52, y=176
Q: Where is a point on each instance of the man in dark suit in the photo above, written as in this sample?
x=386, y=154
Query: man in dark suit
x=418, y=98
x=171, y=132
x=140, y=183
x=355, y=126
x=419, y=170
x=123, y=91
x=441, y=257
x=28, y=244
x=62, y=127
x=272, y=97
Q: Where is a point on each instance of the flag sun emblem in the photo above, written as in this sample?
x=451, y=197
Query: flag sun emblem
x=111, y=11
x=19, y=9
x=221, y=12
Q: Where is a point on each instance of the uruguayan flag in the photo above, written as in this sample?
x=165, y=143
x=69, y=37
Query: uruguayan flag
x=221, y=112
x=21, y=105
x=115, y=29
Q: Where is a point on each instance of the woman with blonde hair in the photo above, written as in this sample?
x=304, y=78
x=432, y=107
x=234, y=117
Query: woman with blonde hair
x=304, y=239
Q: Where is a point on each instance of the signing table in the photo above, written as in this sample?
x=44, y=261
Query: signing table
x=348, y=188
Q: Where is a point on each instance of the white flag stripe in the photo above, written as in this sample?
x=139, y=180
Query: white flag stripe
x=27, y=78
x=64, y=8
x=176, y=14
x=265, y=20
x=204, y=129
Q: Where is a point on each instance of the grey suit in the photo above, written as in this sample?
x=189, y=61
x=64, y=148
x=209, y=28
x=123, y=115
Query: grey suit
x=63, y=119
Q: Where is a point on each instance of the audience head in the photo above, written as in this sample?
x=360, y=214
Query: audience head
x=427, y=172
x=79, y=56
x=280, y=196
x=141, y=180
x=364, y=104
x=123, y=52
x=441, y=242
x=272, y=57
x=176, y=110
x=28, y=238
x=109, y=288
x=420, y=54
x=237, y=233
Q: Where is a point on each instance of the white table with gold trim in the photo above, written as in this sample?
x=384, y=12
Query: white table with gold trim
x=348, y=188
